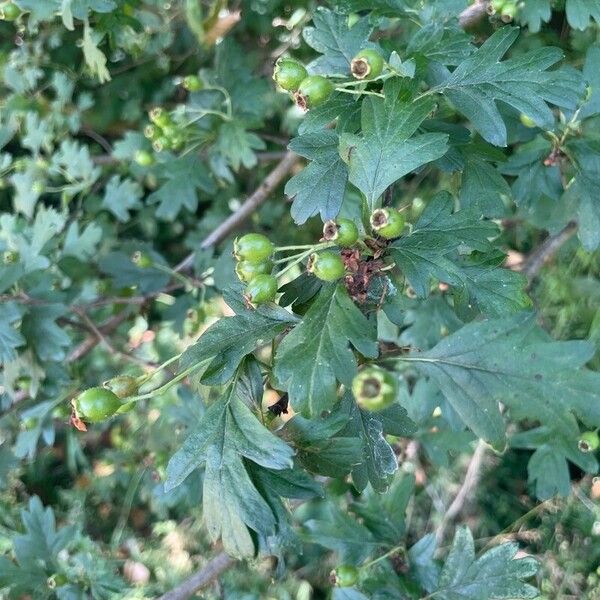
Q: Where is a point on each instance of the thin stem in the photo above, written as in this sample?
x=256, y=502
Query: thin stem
x=360, y=92
x=300, y=258
x=383, y=557
x=167, y=386
x=129, y=497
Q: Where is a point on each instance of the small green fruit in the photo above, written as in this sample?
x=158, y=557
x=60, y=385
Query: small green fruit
x=9, y=11
x=253, y=248
x=141, y=259
x=193, y=83
x=151, y=132
x=367, y=64
x=589, y=441
x=144, y=158
x=159, y=116
x=122, y=386
x=343, y=232
x=261, y=289
x=312, y=91
x=161, y=143
x=289, y=74
x=246, y=271
x=387, y=222
x=327, y=266
x=10, y=257
x=527, y=121
x=374, y=388
x=508, y=13
x=344, y=576
x=96, y=404
x=497, y=5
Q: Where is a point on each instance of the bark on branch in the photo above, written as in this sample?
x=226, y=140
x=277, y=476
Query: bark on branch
x=200, y=579
x=252, y=203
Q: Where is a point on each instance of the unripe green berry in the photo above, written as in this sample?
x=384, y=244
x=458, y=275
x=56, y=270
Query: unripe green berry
x=253, y=248
x=141, y=259
x=144, y=158
x=193, y=83
x=497, y=5
x=527, y=121
x=96, y=404
x=161, y=143
x=343, y=232
x=151, y=132
x=159, y=116
x=246, y=271
x=589, y=441
x=509, y=12
x=374, y=388
x=123, y=386
x=9, y=11
x=367, y=64
x=344, y=576
x=289, y=74
x=261, y=289
x=327, y=266
x=10, y=257
x=387, y=222
x=312, y=91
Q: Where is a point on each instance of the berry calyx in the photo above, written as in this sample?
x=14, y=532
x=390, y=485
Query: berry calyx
x=96, y=404
x=327, y=266
x=9, y=11
x=367, y=64
x=253, y=248
x=123, y=386
x=527, y=121
x=193, y=83
x=387, y=222
x=10, y=257
x=343, y=232
x=289, y=74
x=144, y=158
x=312, y=91
x=141, y=259
x=589, y=441
x=261, y=289
x=374, y=388
x=246, y=271
x=344, y=576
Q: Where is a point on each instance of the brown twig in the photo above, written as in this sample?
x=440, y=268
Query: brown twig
x=474, y=14
x=465, y=491
x=200, y=579
x=251, y=204
x=546, y=251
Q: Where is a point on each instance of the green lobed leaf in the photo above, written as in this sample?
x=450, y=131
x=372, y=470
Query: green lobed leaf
x=331, y=36
x=223, y=345
x=508, y=360
x=425, y=252
x=495, y=575
x=10, y=338
x=522, y=82
x=320, y=186
x=388, y=149
x=316, y=353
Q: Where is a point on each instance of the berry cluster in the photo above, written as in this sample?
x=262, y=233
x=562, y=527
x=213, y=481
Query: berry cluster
x=309, y=91
x=255, y=263
x=163, y=132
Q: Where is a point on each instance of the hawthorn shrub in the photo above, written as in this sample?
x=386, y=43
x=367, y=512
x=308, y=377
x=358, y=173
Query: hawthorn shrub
x=270, y=274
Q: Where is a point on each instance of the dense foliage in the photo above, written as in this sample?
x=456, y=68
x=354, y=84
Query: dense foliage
x=272, y=271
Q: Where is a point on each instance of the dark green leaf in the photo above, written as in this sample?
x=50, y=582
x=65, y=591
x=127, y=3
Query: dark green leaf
x=316, y=353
